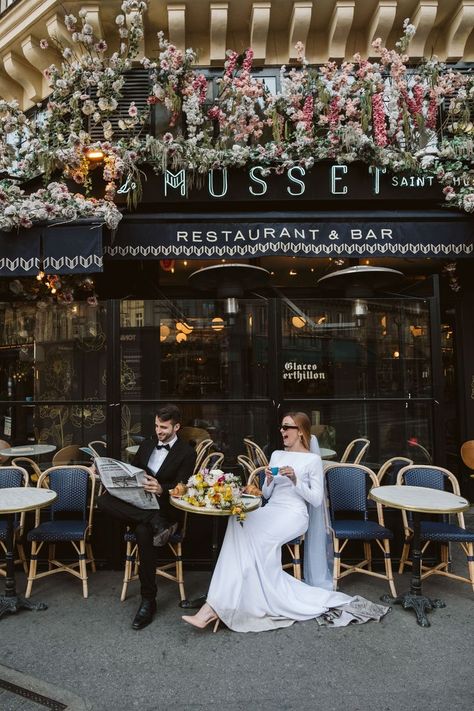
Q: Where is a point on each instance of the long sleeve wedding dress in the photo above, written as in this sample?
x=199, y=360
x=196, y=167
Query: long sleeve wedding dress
x=249, y=589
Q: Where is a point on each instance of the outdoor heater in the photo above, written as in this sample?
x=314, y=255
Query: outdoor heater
x=230, y=281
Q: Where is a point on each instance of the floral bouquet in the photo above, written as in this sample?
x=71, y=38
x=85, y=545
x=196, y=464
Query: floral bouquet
x=216, y=490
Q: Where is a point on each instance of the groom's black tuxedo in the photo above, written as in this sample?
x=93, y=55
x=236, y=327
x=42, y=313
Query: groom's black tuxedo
x=177, y=466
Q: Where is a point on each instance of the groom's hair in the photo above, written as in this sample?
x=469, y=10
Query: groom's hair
x=169, y=412
x=304, y=423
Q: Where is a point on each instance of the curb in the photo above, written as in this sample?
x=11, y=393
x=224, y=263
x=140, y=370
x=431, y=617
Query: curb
x=37, y=686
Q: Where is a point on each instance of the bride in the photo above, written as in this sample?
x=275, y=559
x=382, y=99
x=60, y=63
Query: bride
x=249, y=590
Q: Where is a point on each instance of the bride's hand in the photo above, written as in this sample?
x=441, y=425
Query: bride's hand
x=289, y=472
x=268, y=476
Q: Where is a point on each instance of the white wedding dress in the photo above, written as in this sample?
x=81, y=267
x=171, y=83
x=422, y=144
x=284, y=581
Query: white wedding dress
x=249, y=589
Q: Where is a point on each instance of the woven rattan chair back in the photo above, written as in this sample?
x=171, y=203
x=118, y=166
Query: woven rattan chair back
x=347, y=488
x=255, y=453
x=246, y=464
x=388, y=472
x=203, y=453
x=66, y=456
x=99, y=447
x=355, y=451
x=203, y=444
x=212, y=461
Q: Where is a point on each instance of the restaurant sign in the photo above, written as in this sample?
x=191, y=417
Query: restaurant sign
x=324, y=181
x=171, y=239
x=302, y=371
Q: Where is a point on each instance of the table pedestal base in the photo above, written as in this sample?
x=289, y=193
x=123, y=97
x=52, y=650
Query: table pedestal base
x=419, y=603
x=18, y=602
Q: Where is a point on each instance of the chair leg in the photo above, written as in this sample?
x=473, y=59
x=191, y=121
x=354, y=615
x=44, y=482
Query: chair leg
x=21, y=555
x=368, y=554
x=388, y=567
x=51, y=554
x=404, y=557
x=470, y=562
x=296, y=554
x=83, y=567
x=90, y=557
x=32, y=571
x=336, y=569
x=127, y=575
x=179, y=571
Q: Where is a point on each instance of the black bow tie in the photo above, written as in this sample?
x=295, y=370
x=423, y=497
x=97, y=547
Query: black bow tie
x=163, y=446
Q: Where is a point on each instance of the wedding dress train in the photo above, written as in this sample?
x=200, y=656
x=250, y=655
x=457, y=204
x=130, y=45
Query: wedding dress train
x=249, y=590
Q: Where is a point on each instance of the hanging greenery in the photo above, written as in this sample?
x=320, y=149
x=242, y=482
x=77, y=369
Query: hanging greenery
x=379, y=112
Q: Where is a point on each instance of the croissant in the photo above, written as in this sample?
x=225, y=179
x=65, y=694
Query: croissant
x=252, y=489
x=178, y=490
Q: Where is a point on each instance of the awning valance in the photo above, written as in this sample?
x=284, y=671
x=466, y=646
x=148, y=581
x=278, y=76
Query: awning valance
x=56, y=249
x=434, y=234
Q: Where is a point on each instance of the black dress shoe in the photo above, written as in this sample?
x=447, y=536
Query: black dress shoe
x=144, y=614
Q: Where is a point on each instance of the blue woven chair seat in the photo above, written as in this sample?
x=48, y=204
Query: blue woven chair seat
x=129, y=537
x=296, y=541
x=361, y=530
x=53, y=531
x=440, y=531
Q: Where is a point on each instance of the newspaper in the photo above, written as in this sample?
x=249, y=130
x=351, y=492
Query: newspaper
x=125, y=482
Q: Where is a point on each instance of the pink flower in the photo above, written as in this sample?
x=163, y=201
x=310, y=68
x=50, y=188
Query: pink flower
x=378, y=118
x=44, y=44
x=132, y=110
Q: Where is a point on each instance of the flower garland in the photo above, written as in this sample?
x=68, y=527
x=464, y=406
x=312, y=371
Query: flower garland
x=378, y=112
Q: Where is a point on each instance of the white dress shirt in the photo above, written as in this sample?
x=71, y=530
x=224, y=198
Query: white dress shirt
x=158, y=456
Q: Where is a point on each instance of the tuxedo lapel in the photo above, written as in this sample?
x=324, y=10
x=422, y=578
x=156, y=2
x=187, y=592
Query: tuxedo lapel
x=171, y=460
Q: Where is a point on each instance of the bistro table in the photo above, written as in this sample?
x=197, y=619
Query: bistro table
x=133, y=449
x=251, y=503
x=12, y=501
x=327, y=453
x=27, y=450
x=417, y=499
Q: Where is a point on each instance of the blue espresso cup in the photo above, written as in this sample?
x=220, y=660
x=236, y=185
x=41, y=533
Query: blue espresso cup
x=274, y=470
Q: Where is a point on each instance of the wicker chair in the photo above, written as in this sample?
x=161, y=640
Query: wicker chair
x=74, y=486
x=202, y=454
x=438, y=530
x=355, y=451
x=255, y=453
x=10, y=477
x=98, y=447
x=246, y=464
x=389, y=469
x=71, y=454
x=30, y=465
x=170, y=571
x=347, y=487
x=293, y=547
x=4, y=445
x=212, y=461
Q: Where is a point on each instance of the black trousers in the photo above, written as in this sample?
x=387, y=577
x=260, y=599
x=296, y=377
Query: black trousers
x=146, y=523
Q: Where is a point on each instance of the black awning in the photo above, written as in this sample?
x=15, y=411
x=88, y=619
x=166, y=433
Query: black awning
x=435, y=234
x=20, y=252
x=56, y=249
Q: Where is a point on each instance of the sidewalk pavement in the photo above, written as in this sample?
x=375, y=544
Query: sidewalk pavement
x=85, y=654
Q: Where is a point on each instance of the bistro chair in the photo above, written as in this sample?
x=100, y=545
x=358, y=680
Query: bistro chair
x=201, y=456
x=194, y=435
x=347, y=487
x=98, y=448
x=438, y=530
x=12, y=477
x=467, y=454
x=74, y=486
x=203, y=444
x=418, y=453
x=30, y=465
x=255, y=453
x=71, y=454
x=4, y=445
x=212, y=461
x=170, y=571
x=246, y=464
x=389, y=470
x=293, y=547
x=355, y=451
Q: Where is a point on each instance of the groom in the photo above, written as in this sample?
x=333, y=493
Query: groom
x=167, y=460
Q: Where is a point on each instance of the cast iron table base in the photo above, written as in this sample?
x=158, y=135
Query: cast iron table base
x=414, y=599
x=11, y=602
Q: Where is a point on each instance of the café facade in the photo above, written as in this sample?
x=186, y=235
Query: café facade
x=370, y=353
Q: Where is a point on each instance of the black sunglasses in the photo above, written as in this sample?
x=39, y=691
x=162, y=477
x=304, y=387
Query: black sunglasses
x=289, y=427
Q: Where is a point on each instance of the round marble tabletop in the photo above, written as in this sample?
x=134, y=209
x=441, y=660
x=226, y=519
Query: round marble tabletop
x=21, y=498
x=251, y=503
x=419, y=498
x=327, y=453
x=27, y=450
x=133, y=449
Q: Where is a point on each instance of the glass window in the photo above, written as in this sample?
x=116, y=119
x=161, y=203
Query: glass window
x=191, y=349
x=356, y=348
